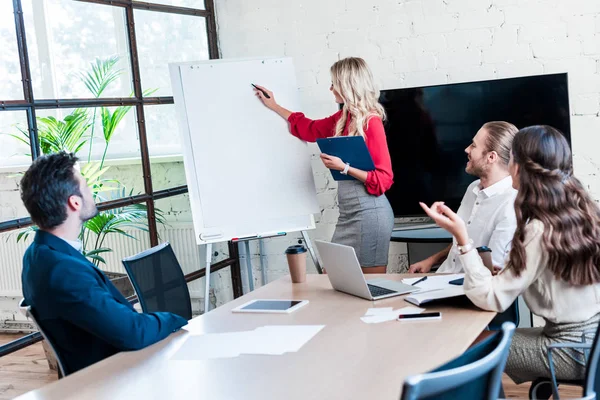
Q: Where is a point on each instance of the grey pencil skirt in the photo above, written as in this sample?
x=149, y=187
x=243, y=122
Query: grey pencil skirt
x=365, y=223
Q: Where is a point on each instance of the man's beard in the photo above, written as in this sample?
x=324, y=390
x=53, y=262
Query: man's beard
x=89, y=214
x=477, y=170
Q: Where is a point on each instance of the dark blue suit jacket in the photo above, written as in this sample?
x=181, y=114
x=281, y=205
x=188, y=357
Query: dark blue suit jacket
x=81, y=311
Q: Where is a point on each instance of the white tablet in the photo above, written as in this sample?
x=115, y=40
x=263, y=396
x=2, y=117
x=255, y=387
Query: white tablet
x=271, y=306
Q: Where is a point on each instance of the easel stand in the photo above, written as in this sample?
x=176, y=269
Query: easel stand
x=209, y=250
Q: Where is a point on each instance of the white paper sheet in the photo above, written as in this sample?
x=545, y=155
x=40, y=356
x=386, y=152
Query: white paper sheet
x=378, y=311
x=378, y=315
x=270, y=340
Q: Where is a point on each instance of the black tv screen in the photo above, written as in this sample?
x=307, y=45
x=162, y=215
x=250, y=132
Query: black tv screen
x=428, y=129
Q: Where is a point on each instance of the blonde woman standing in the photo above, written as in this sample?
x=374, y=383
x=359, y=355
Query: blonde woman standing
x=366, y=217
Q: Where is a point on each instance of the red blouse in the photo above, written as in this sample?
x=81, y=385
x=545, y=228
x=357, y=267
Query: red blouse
x=378, y=180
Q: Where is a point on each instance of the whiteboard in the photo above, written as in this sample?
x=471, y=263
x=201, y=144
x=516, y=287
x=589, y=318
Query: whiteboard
x=247, y=175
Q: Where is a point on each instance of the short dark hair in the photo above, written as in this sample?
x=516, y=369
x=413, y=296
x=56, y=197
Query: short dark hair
x=47, y=186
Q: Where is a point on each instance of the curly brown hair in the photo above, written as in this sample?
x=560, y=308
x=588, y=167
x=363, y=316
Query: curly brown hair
x=550, y=193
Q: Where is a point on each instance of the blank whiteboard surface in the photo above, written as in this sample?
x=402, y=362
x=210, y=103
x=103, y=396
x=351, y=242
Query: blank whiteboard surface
x=247, y=175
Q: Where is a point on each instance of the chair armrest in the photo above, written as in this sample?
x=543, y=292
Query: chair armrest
x=584, y=335
x=569, y=346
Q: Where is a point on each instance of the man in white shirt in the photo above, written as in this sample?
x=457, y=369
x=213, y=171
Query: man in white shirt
x=488, y=204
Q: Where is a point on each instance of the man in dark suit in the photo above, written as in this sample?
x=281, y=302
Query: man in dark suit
x=80, y=310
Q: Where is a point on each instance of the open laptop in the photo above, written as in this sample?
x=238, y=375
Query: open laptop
x=346, y=276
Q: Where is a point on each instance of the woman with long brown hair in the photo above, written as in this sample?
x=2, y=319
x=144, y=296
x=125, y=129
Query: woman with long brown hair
x=554, y=261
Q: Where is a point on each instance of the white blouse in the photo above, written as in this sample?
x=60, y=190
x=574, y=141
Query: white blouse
x=490, y=217
x=546, y=296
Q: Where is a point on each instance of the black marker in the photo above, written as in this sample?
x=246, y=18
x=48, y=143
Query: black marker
x=263, y=92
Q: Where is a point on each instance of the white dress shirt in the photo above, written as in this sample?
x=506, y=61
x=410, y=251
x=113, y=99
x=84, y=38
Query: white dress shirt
x=490, y=217
x=546, y=296
x=76, y=244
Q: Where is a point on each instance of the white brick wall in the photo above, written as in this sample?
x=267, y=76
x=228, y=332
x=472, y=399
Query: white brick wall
x=426, y=42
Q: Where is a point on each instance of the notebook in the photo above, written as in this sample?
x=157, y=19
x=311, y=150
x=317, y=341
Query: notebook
x=428, y=296
x=351, y=149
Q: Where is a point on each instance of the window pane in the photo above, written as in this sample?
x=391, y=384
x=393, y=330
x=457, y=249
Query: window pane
x=10, y=85
x=14, y=160
x=163, y=134
x=164, y=143
x=14, y=142
x=65, y=37
x=166, y=38
x=120, y=154
x=179, y=231
x=199, y=4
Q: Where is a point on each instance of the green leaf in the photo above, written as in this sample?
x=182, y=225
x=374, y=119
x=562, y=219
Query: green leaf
x=95, y=254
x=96, y=258
x=101, y=75
x=98, y=251
x=92, y=172
x=147, y=92
x=24, y=234
x=110, y=121
x=68, y=134
x=20, y=138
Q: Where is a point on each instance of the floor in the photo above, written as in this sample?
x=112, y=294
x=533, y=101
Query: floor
x=27, y=369
x=23, y=370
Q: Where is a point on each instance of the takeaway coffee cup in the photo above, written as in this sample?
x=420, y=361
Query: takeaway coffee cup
x=296, y=257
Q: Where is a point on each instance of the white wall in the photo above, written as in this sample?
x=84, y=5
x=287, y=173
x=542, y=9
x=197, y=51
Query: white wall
x=427, y=42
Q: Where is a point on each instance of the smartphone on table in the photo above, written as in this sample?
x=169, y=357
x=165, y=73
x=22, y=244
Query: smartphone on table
x=420, y=317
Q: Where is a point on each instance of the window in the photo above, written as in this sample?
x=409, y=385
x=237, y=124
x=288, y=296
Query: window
x=79, y=55
x=64, y=37
x=164, y=144
x=167, y=39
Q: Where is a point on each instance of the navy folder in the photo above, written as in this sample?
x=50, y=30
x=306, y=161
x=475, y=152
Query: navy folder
x=351, y=149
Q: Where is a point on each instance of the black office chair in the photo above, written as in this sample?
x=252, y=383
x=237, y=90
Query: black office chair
x=28, y=312
x=159, y=282
x=543, y=388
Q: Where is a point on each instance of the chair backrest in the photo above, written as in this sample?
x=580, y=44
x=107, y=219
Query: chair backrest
x=592, y=373
x=28, y=312
x=476, y=374
x=510, y=315
x=159, y=282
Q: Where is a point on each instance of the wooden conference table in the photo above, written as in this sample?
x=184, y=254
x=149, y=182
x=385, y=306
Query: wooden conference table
x=347, y=359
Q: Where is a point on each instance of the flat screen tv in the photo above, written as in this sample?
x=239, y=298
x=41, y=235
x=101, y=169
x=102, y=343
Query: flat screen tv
x=428, y=129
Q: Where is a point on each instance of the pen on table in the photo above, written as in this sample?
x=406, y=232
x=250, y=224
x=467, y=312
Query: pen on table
x=420, y=280
x=263, y=92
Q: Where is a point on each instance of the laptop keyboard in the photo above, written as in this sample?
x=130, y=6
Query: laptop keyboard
x=377, y=291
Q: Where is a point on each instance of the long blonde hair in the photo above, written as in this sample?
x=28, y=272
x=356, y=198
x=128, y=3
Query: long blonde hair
x=352, y=80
